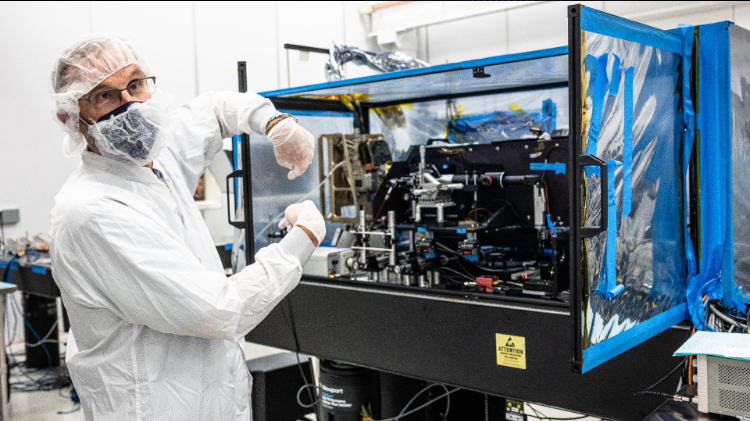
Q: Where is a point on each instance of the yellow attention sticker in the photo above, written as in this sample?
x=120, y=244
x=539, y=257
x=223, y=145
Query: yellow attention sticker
x=511, y=351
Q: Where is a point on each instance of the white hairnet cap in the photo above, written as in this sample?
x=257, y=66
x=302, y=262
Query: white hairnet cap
x=80, y=68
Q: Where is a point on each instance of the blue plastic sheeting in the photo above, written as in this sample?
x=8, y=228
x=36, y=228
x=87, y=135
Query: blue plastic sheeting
x=483, y=119
x=713, y=122
x=617, y=27
x=646, y=294
x=510, y=70
x=603, y=351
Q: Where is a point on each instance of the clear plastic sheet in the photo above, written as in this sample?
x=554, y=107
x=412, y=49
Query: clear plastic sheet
x=384, y=61
x=649, y=256
x=740, y=59
x=272, y=192
x=432, y=119
x=513, y=71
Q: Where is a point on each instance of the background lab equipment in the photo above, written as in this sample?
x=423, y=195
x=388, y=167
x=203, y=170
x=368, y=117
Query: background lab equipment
x=529, y=225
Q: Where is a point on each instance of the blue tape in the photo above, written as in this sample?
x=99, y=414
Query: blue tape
x=228, y=246
x=597, y=354
x=460, y=231
x=617, y=27
x=471, y=258
x=550, y=225
x=421, y=230
x=600, y=90
x=608, y=273
x=3, y=264
x=429, y=256
x=591, y=67
x=557, y=167
x=236, y=143
x=301, y=113
x=614, y=84
x=549, y=115
x=627, y=150
x=615, y=291
x=715, y=156
x=39, y=269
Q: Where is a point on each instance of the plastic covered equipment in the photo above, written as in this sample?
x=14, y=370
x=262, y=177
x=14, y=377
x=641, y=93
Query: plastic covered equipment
x=385, y=61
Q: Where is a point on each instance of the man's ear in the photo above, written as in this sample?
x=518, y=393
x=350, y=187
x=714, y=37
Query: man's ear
x=62, y=117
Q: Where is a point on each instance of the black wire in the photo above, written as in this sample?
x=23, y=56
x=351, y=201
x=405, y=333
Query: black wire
x=667, y=376
x=544, y=417
x=547, y=156
x=296, y=343
x=457, y=273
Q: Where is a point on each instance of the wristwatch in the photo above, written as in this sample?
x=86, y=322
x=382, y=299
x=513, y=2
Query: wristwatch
x=282, y=116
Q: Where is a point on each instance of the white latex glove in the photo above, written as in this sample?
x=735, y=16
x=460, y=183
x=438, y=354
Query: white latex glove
x=293, y=146
x=307, y=215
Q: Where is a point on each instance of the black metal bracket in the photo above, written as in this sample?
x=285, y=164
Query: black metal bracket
x=230, y=208
x=247, y=176
x=306, y=48
x=575, y=182
x=593, y=161
x=479, y=72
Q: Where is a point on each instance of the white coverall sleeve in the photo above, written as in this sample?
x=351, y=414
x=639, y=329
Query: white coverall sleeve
x=147, y=277
x=209, y=118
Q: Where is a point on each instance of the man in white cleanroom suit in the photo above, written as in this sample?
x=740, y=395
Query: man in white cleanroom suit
x=157, y=327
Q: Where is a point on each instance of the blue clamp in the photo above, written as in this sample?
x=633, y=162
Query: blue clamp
x=550, y=225
x=41, y=270
x=557, y=167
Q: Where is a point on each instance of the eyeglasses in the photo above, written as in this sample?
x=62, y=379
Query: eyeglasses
x=140, y=89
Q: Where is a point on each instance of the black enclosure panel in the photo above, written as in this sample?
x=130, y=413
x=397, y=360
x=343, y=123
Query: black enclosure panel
x=452, y=341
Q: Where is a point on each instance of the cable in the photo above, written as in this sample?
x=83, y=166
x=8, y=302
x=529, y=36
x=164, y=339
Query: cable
x=457, y=273
x=677, y=398
x=402, y=414
x=299, y=363
x=39, y=381
x=544, y=417
x=299, y=392
x=725, y=318
x=547, y=157
x=667, y=376
x=45, y=338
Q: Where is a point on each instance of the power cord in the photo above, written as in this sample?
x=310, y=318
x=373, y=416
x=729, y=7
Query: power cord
x=315, y=402
x=444, y=395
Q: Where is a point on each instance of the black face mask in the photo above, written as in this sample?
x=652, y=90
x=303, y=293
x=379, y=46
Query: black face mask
x=117, y=111
x=126, y=132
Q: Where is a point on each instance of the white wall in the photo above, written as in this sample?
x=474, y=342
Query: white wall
x=510, y=27
x=193, y=47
